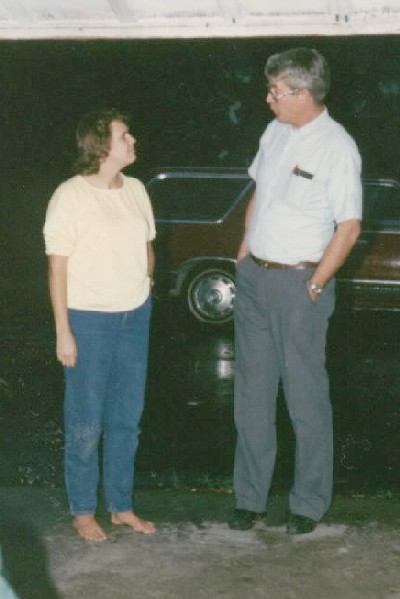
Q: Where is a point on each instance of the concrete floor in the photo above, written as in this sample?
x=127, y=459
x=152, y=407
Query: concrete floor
x=353, y=554
x=187, y=443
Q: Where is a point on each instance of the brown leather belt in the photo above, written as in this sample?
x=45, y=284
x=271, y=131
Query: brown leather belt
x=298, y=266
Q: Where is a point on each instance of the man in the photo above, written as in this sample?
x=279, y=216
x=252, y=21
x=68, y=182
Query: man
x=301, y=223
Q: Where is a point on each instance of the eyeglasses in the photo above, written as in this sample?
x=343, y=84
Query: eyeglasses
x=277, y=97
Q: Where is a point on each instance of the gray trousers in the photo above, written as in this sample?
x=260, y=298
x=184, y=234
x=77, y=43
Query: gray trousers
x=280, y=335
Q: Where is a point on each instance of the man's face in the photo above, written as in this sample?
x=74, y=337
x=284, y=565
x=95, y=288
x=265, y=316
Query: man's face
x=283, y=101
x=122, y=147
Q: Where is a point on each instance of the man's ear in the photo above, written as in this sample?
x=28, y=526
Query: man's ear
x=305, y=96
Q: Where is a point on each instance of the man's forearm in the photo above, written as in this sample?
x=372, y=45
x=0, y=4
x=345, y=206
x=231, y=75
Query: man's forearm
x=243, y=248
x=337, y=251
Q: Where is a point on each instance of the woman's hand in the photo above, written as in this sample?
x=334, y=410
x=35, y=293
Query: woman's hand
x=66, y=349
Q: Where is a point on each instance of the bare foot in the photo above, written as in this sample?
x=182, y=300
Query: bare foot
x=136, y=523
x=88, y=528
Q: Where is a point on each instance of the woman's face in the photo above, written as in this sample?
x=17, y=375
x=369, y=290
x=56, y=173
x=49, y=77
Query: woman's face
x=122, y=147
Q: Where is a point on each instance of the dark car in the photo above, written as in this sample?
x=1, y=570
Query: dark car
x=200, y=218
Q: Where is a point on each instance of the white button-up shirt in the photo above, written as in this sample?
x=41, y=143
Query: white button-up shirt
x=307, y=180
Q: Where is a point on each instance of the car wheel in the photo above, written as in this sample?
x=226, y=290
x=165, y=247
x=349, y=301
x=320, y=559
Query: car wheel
x=210, y=295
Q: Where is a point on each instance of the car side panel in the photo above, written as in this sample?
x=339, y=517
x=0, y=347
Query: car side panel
x=370, y=277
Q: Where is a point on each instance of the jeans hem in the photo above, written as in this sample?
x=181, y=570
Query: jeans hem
x=119, y=510
x=82, y=512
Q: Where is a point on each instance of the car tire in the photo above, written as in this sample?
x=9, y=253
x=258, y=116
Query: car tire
x=210, y=294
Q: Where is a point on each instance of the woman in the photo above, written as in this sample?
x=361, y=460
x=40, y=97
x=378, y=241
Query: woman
x=98, y=235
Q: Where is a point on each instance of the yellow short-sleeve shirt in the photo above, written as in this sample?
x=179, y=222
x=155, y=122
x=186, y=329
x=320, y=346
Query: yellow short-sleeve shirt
x=104, y=234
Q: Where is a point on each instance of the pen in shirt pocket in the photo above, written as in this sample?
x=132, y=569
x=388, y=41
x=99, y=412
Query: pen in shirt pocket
x=300, y=173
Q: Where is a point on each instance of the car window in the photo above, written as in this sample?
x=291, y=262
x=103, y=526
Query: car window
x=381, y=203
x=202, y=199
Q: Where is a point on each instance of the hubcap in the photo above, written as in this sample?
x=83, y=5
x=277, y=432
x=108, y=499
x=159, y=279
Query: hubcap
x=211, y=297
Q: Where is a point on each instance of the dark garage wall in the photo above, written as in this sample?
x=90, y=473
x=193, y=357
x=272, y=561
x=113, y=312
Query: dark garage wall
x=193, y=102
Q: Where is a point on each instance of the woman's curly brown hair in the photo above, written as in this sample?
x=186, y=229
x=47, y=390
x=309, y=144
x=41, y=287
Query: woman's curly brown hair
x=93, y=136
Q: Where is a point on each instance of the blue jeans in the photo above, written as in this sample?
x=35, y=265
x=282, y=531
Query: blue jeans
x=104, y=397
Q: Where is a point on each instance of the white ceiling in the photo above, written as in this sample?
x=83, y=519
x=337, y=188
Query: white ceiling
x=73, y=19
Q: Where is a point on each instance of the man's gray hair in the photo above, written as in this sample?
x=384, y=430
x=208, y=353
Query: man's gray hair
x=302, y=68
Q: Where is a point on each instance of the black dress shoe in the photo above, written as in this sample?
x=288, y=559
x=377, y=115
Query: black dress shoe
x=245, y=519
x=300, y=525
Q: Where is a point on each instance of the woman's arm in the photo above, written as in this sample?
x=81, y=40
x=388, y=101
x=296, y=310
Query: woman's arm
x=151, y=262
x=65, y=346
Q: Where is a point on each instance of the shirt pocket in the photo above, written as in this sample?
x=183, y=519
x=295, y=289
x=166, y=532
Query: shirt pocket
x=306, y=194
